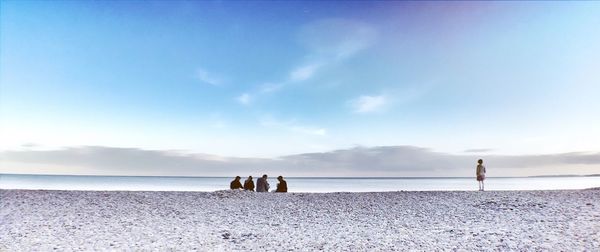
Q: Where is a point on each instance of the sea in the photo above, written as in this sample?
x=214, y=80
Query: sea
x=295, y=184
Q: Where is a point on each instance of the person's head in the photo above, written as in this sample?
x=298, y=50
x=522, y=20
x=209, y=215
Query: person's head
x=237, y=177
x=280, y=178
x=480, y=161
x=264, y=176
x=250, y=177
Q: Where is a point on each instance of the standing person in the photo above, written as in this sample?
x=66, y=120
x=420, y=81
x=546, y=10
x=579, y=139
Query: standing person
x=236, y=184
x=262, y=185
x=282, y=185
x=249, y=184
x=480, y=172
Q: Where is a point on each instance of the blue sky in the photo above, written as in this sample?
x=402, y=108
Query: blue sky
x=268, y=79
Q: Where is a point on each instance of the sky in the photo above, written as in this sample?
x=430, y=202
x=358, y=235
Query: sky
x=307, y=88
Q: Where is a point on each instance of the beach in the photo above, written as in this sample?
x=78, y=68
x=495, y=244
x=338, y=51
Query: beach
x=46, y=220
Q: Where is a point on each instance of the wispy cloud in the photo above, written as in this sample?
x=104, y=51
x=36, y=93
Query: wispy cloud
x=309, y=130
x=328, y=42
x=299, y=74
x=336, y=38
x=304, y=72
x=292, y=126
x=365, y=104
x=244, y=99
x=368, y=104
x=208, y=78
x=270, y=87
x=358, y=161
x=29, y=145
x=480, y=150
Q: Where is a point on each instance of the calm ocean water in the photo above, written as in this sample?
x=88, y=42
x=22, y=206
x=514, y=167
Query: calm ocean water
x=51, y=182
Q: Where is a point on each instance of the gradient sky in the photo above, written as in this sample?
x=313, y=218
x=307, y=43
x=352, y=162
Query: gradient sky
x=267, y=79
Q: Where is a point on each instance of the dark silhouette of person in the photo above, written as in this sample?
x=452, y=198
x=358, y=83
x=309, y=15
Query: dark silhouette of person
x=480, y=173
x=249, y=184
x=236, y=184
x=282, y=185
x=262, y=185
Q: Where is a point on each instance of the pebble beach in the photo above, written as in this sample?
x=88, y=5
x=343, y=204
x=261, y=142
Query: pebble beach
x=39, y=220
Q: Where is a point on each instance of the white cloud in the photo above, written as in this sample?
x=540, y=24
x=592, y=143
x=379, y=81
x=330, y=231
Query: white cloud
x=310, y=130
x=292, y=126
x=368, y=104
x=244, y=99
x=359, y=161
x=304, y=72
x=337, y=38
x=328, y=42
x=29, y=145
x=270, y=87
x=208, y=78
x=478, y=150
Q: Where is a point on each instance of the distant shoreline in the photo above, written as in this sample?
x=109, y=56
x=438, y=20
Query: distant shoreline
x=296, y=184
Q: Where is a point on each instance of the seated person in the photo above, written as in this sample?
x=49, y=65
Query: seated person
x=249, y=184
x=282, y=185
x=236, y=184
x=262, y=185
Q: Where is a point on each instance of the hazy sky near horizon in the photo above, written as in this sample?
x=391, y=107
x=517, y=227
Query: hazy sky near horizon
x=264, y=79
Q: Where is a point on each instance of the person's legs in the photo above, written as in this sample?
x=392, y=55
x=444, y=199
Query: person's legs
x=482, y=186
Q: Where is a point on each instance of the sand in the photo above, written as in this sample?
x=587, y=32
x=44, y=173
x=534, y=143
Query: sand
x=237, y=220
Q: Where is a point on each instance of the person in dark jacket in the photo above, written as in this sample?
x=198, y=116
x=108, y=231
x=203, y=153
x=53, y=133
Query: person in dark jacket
x=262, y=185
x=236, y=184
x=249, y=184
x=282, y=185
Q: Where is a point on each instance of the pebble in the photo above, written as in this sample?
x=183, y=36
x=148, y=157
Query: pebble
x=235, y=220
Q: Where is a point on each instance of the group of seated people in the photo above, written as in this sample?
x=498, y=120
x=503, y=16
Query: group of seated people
x=262, y=185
